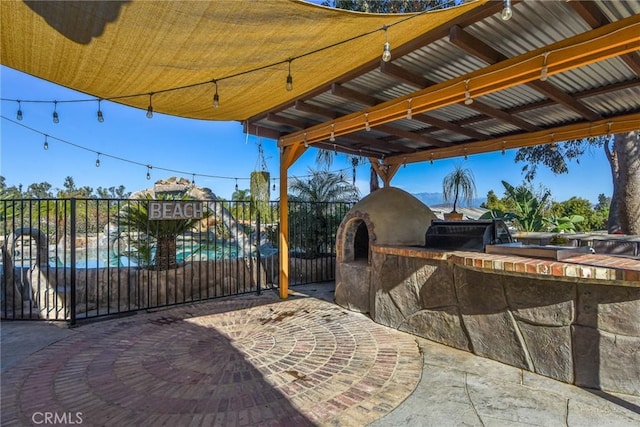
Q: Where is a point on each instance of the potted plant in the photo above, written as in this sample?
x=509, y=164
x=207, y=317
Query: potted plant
x=458, y=185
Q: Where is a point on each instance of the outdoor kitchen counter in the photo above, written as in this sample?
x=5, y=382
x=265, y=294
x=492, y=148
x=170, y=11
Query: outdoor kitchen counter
x=599, y=268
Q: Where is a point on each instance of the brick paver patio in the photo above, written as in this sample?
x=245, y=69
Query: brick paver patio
x=252, y=360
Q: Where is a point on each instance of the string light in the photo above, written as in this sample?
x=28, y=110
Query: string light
x=236, y=184
x=504, y=143
x=409, y=111
x=100, y=115
x=216, y=97
x=19, y=113
x=274, y=185
x=56, y=118
x=467, y=95
x=386, y=50
x=544, y=73
x=367, y=127
x=404, y=162
x=193, y=179
x=609, y=130
x=507, y=13
x=431, y=161
x=306, y=144
x=98, y=161
x=149, y=167
x=506, y=10
x=150, y=109
x=335, y=149
x=466, y=157
x=289, y=78
x=332, y=138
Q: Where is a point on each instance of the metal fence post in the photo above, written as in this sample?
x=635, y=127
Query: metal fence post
x=72, y=299
x=259, y=276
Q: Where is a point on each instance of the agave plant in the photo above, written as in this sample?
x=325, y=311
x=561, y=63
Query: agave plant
x=135, y=216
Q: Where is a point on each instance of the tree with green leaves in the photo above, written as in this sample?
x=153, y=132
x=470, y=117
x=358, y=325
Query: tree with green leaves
x=386, y=6
x=623, y=154
x=112, y=192
x=459, y=185
x=527, y=209
x=323, y=186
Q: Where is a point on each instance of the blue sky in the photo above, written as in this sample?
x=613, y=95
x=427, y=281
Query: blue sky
x=208, y=148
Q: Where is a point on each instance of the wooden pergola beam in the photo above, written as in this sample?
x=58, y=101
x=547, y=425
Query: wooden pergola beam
x=478, y=48
x=384, y=171
x=596, y=45
x=581, y=130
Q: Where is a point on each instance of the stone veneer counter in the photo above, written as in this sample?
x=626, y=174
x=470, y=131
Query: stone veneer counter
x=577, y=321
x=603, y=269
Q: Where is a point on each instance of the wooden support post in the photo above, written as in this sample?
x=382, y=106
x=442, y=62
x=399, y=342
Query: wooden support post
x=288, y=155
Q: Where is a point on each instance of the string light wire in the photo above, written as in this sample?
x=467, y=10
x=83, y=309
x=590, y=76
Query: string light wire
x=99, y=154
x=288, y=61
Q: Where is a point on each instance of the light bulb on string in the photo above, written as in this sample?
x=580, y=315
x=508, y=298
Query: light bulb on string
x=193, y=179
x=236, y=184
x=367, y=127
x=467, y=95
x=507, y=13
x=274, y=184
x=100, y=115
x=410, y=111
x=149, y=167
x=150, y=109
x=306, y=144
x=98, y=161
x=332, y=138
x=466, y=157
x=386, y=49
x=431, y=161
x=216, y=97
x=56, y=118
x=19, y=113
x=46, y=142
x=289, y=78
x=504, y=151
x=544, y=73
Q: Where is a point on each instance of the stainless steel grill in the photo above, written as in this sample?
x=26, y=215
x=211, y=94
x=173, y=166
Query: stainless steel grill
x=472, y=235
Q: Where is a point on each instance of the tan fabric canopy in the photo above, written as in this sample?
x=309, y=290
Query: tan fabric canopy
x=110, y=49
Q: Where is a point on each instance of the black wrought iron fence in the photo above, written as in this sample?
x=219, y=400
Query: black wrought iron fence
x=70, y=259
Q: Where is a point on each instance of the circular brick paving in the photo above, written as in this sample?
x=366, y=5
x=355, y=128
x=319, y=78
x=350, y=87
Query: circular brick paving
x=245, y=361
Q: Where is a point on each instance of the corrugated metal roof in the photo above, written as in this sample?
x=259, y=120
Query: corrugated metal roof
x=565, y=98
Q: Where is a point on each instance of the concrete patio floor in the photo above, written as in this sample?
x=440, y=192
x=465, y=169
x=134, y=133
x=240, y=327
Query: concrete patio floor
x=257, y=360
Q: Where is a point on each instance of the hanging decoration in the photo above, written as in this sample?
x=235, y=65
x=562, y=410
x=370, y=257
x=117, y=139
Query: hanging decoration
x=259, y=184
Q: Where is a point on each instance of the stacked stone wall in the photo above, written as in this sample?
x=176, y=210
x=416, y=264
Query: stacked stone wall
x=573, y=331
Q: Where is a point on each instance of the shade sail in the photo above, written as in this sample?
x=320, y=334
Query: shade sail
x=110, y=49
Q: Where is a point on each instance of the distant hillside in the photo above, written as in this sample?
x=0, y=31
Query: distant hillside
x=435, y=199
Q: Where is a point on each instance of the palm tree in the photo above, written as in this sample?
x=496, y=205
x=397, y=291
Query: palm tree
x=459, y=184
x=323, y=186
x=135, y=215
x=313, y=217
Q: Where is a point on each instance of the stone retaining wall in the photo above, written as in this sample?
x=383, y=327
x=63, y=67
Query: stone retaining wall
x=112, y=290
x=579, y=331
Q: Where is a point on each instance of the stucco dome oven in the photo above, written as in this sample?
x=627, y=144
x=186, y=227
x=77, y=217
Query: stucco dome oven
x=388, y=216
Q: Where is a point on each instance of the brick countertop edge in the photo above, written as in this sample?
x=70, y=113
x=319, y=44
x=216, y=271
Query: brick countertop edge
x=602, y=269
